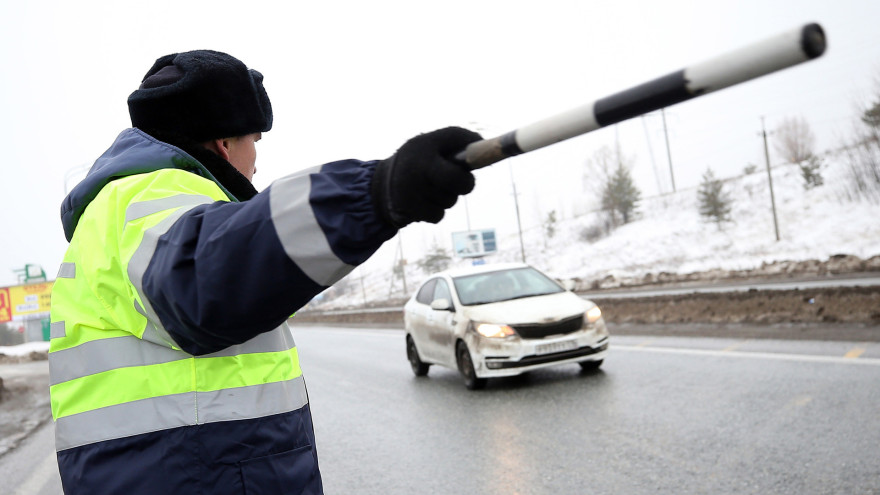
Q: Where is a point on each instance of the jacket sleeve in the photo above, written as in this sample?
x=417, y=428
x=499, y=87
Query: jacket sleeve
x=224, y=272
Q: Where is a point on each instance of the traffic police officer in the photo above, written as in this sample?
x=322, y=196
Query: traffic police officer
x=172, y=366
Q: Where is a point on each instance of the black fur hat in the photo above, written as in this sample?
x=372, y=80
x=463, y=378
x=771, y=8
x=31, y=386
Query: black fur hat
x=201, y=95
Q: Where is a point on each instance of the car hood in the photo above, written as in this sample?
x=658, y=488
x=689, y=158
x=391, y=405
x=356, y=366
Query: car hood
x=538, y=309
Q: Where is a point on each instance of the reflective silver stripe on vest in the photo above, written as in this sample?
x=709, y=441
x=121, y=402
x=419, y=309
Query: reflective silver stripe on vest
x=153, y=333
x=277, y=340
x=143, y=209
x=172, y=411
x=101, y=355
x=137, y=266
x=67, y=270
x=119, y=352
x=299, y=232
x=57, y=330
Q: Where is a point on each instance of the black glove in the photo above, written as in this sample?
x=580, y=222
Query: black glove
x=423, y=178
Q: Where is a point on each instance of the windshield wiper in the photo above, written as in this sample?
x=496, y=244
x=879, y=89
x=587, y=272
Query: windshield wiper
x=530, y=295
x=477, y=303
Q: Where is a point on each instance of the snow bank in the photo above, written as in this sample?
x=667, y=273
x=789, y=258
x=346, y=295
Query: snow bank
x=24, y=349
x=669, y=236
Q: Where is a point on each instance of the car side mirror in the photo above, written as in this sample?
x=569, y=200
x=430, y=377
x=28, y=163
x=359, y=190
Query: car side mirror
x=569, y=284
x=441, y=304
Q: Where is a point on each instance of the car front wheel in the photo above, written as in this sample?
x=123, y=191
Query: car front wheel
x=418, y=367
x=466, y=366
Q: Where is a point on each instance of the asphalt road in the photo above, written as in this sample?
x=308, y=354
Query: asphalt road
x=664, y=415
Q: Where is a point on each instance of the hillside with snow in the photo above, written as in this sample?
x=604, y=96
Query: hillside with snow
x=668, y=236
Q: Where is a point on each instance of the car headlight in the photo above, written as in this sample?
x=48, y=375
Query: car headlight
x=594, y=314
x=494, y=331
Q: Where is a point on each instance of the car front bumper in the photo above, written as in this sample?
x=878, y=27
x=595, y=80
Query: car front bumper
x=498, y=358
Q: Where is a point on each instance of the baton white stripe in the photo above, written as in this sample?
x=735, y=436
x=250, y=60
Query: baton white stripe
x=764, y=57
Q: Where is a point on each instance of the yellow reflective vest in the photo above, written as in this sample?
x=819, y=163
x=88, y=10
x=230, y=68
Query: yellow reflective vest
x=171, y=363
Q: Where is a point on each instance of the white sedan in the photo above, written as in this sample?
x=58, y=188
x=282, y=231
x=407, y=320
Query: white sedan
x=500, y=320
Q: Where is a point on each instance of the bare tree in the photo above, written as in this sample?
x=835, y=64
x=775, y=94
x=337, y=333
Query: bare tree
x=794, y=140
x=862, y=154
x=437, y=259
x=598, y=170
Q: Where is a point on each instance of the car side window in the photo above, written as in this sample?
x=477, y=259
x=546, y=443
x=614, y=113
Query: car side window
x=426, y=293
x=441, y=291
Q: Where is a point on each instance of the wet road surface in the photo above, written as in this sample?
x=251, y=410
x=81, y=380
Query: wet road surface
x=664, y=415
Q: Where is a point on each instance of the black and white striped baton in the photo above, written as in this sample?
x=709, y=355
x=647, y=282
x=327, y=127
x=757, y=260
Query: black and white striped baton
x=770, y=55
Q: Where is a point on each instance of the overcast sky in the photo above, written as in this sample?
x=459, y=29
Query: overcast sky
x=356, y=79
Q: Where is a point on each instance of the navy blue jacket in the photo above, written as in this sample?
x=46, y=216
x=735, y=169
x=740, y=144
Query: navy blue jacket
x=223, y=273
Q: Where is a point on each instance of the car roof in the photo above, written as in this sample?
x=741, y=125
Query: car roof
x=489, y=267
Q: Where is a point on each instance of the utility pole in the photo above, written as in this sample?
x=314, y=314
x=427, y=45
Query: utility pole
x=668, y=153
x=651, y=154
x=363, y=289
x=399, y=263
x=522, y=248
x=769, y=178
x=402, y=261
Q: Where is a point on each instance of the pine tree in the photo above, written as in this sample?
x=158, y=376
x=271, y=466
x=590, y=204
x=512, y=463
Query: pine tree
x=715, y=203
x=620, y=196
x=871, y=116
x=811, y=172
x=550, y=224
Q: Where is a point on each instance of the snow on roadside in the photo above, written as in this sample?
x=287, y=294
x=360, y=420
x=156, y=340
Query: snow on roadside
x=668, y=235
x=24, y=349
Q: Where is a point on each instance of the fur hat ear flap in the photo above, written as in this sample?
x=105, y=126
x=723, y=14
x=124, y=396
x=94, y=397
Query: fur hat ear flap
x=202, y=95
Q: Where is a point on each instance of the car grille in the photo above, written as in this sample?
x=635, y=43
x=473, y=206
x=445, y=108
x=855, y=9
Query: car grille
x=541, y=330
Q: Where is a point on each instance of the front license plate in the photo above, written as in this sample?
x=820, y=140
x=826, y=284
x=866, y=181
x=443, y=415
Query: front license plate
x=565, y=345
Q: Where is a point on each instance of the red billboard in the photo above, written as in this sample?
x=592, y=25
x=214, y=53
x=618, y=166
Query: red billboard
x=5, y=306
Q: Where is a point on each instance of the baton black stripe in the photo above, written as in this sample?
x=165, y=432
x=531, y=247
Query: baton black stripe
x=813, y=41
x=509, y=146
x=653, y=95
x=735, y=67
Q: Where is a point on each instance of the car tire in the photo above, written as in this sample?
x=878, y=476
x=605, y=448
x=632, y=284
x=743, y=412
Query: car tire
x=591, y=365
x=466, y=367
x=419, y=368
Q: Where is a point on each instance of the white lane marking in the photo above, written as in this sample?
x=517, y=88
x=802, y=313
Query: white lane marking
x=39, y=476
x=645, y=347
x=750, y=355
x=375, y=332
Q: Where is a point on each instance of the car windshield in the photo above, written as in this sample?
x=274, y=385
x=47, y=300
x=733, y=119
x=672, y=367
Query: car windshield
x=503, y=285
